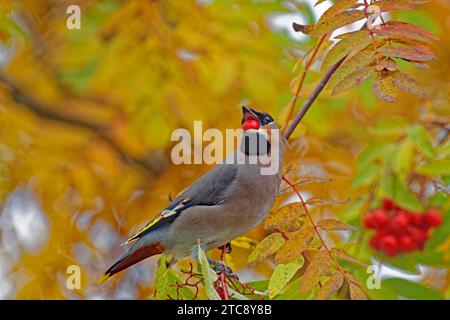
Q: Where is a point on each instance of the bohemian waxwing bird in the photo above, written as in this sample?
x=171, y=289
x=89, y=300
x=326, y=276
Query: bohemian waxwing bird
x=226, y=202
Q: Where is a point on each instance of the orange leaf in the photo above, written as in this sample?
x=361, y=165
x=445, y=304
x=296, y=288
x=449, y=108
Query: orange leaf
x=333, y=284
x=356, y=291
x=318, y=267
x=396, y=29
x=408, y=84
x=387, y=64
x=419, y=53
x=394, y=5
x=384, y=88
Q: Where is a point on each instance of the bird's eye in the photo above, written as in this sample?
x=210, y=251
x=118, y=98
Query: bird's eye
x=267, y=119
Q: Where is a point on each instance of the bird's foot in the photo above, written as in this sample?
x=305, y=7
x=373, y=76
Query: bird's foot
x=228, y=248
x=220, y=267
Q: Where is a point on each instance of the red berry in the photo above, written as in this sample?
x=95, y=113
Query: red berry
x=388, y=204
x=407, y=244
x=369, y=221
x=374, y=242
x=389, y=244
x=415, y=219
x=399, y=222
x=250, y=124
x=418, y=236
x=380, y=218
x=433, y=218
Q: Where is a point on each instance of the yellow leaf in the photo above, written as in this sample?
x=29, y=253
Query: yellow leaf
x=289, y=218
x=294, y=247
x=268, y=246
x=332, y=225
x=384, y=88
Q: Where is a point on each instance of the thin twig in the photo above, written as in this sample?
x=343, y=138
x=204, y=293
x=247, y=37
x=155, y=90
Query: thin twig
x=50, y=113
x=316, y=230
x=312, y=98
x=302, y=79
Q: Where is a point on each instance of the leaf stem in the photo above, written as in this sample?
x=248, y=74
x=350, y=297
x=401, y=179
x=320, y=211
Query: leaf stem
x=316, y=230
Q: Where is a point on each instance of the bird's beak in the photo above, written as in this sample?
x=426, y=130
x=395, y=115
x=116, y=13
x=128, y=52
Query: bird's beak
x=248, y=114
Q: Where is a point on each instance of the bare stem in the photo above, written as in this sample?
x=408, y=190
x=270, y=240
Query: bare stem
x=311, y=99
x=303, y=77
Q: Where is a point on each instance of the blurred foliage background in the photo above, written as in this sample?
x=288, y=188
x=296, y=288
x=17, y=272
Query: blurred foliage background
x=86, y=117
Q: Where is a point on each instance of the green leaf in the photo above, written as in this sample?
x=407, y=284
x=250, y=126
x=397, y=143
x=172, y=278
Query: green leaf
x=353, y=79
x=436, y=167
x=341, y=19
x=352, y=44
x=420, y=137
x=162, y=280
x=209, y=276
x=351, y=64
x=404, y=158
x=390, y=127
x=282, y=274
x=412, y=290
x=365, y=176
x=396, y=189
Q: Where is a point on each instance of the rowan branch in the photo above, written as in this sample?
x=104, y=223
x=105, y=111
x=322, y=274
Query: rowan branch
x=308, y=103
x=50, y=113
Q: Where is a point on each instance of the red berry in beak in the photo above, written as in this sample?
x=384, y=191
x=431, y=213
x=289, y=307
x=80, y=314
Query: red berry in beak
x=250, y=124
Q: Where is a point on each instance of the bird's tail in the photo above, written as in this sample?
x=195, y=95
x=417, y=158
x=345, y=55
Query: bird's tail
x=133, y=256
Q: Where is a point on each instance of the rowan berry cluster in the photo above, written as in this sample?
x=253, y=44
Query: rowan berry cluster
x=399, y=230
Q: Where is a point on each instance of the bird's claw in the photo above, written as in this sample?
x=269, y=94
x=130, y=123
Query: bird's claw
x=219, y=267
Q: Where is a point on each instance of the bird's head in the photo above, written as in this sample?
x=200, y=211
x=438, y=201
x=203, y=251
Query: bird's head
x=255, y=120
x=258, y=127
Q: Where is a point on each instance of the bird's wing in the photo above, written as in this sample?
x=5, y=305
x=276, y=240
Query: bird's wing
x=210, y=189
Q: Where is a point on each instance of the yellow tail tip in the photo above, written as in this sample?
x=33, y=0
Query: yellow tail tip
x=104, y=278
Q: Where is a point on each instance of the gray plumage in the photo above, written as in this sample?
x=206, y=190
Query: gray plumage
x=226, y=202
